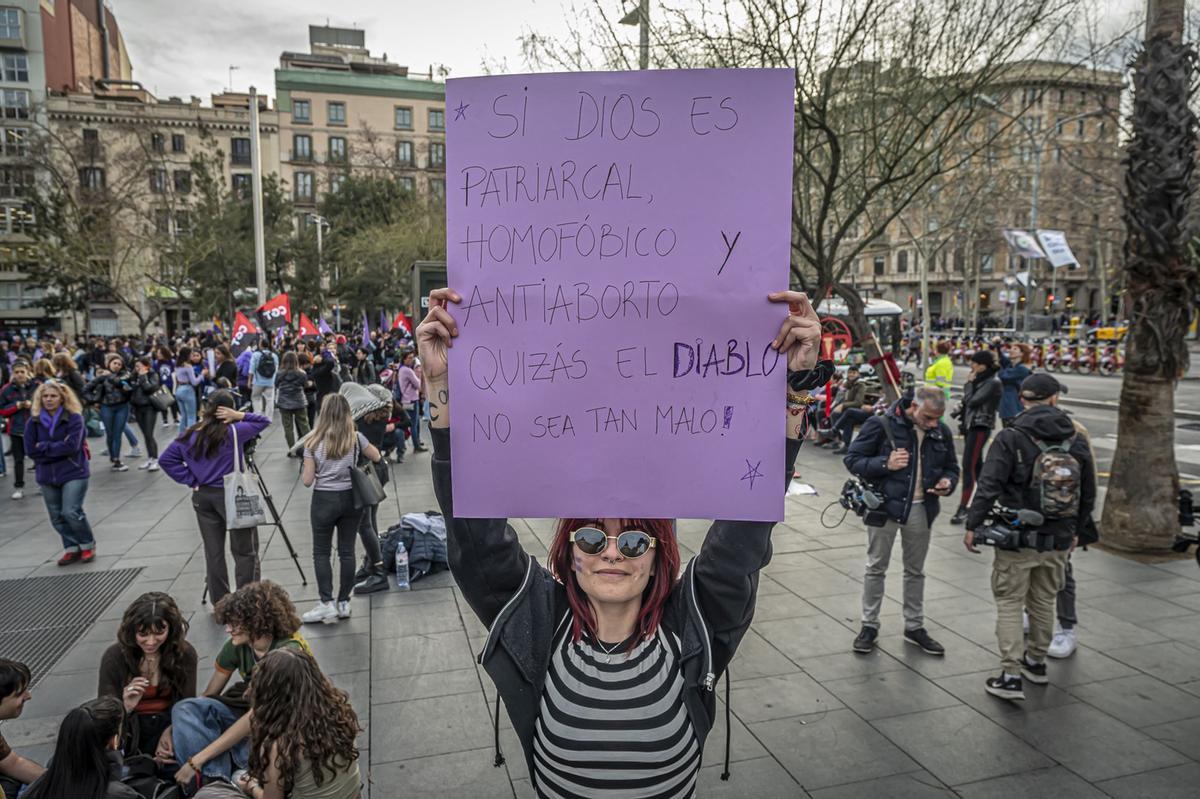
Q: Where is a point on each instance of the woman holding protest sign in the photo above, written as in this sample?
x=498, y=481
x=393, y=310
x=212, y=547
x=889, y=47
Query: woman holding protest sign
x=607, y=650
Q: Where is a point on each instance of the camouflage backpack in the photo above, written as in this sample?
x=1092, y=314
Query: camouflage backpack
x=1056, y=479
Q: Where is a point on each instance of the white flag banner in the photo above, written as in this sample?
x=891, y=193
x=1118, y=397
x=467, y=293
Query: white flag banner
x=1022, y=243
x=1054, y=244
x=1023, y=278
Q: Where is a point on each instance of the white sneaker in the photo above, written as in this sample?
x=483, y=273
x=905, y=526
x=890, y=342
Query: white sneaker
x=154, y=464
x=323, y=612
x=145, y=465
x=168, y=424
x=136, y=452
x=343, y=609
x=1063, y=645
x=18, y=494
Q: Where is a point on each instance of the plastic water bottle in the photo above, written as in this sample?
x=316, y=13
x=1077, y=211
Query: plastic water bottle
x=402, y=583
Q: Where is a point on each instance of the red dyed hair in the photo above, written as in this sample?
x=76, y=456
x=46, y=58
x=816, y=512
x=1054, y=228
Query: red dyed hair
x=654, y=598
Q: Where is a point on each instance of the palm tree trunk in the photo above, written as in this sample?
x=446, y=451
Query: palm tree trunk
x=1140, y=511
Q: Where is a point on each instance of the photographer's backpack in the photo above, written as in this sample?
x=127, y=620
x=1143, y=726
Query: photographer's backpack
x=1056, y=479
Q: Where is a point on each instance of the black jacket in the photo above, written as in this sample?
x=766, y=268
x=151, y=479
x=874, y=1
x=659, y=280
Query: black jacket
x=290, y=390
x=981, y=399
x=143, y=387
x=110, y=389
x=1009, y=467
x=364, y=372
x=523, y=606
x=868, y=455
x=325, y=376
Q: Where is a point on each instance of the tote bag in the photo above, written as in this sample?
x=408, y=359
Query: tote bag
x=368, y=490
x=162, y=399
x=244, y=505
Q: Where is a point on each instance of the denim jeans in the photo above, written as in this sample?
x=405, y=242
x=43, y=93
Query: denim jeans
x=129, y=434
x=334, y=510
x=414, y=416
x=114, y=418
x=64, y=503
x=185, y=400
x=195, y=723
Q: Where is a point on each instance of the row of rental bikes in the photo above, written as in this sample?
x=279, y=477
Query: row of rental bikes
x=1054, y=355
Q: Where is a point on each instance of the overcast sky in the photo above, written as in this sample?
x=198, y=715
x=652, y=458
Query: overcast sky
x=185, y=47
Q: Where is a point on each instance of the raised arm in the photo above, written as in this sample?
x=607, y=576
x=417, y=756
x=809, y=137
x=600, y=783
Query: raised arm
x=486, y=559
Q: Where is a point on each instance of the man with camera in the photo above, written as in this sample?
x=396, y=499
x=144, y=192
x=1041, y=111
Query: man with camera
x=1042, y=472
x=906, y=460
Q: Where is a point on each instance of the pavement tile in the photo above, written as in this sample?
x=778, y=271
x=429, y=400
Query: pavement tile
x=1171, y=661
x=848, y=664
x=1179, y=782
x=917, y=785
x=782, y=604
x=959, y=744
x=821, y=581
x=424, y=686
x=1134, y=606
x=756, y=658
x=1087, y=665
x=1056, y=782
x=435, y=726
x=419, y=654
x=461, y=774
x=423, y=619
x=962, y=656
x=806, y=636
x=1139, y=700
x=969, y=689
x=1183, y=736
x=889, y=693
x=763, y=779
x=767, y=698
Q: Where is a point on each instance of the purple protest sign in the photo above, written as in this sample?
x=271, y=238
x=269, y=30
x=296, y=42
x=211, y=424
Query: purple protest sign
x=614, y=237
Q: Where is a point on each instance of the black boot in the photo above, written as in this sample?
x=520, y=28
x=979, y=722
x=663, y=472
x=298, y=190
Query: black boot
x=959, y=516
x=376, y=581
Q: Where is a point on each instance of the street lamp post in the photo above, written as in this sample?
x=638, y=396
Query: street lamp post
x=322, y=223
x=640, y=16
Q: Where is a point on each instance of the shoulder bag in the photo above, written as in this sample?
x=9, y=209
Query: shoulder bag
x=368, y=490
x=244, y=505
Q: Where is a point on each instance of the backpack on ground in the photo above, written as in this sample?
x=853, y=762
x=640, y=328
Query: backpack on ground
x=266, y=365
x=1057, y=479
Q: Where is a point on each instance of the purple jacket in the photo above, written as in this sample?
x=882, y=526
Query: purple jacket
x=58, y=456
x=182, y=466
x=243, y=365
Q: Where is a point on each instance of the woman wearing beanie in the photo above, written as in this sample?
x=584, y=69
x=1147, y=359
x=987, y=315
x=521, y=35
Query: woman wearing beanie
x=976, y=418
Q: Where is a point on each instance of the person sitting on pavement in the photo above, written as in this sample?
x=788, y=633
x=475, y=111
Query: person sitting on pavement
x=15, y=770
x=150, y=668
x=851, y=410
x=331, y=451
x=87, y=762
x=612, y=599
x=1038, y=464
x=210, y=732
x=200, y=458
x=302, y=736
x=976, y=417
x=907, y=456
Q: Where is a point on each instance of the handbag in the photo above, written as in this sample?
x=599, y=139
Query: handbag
x=244, y=505
x=368, y=490
x=162, y=399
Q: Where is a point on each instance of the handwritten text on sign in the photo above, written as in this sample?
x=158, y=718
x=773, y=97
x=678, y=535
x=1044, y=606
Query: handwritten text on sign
x=614, y=237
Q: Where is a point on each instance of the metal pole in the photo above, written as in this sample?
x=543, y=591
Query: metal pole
x=644, y=45
x=1033, y=217
x=260, y=253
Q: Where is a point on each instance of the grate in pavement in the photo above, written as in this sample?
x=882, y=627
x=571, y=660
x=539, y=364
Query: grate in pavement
x=44, y=616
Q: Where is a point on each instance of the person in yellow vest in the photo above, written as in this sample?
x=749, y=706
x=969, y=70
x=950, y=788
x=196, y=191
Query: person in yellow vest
x=941, y=372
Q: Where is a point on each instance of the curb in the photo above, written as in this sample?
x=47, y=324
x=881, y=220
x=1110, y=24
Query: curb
x=1098, y=404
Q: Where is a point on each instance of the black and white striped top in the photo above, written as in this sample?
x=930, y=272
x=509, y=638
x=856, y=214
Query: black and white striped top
x=615, y=725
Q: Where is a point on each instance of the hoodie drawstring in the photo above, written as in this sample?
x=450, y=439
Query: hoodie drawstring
x=496, y=729
x=728, y=727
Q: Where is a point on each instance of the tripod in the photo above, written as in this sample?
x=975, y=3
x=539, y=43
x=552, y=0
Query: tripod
x=277, y=523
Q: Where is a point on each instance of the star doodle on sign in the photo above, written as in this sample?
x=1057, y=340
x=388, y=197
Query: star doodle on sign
x=752, y=473
x=461, y=111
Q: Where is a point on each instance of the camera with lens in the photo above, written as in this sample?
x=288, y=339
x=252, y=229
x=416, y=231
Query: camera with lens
x=1009, y=529
x=1187, y=518
x=859, y=498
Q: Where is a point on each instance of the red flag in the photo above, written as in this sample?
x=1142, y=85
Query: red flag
x=401, y=321
x=275, y=312
x=307, y=328
x=244, y=333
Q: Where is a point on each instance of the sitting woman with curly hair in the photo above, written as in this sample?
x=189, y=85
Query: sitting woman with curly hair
x=210, y=731
x=150, y=669
x=301, y=736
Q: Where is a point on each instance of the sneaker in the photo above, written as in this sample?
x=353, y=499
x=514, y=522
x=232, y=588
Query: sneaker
x=865, y=642
x=68, y=558
x=322, y=612
x=153, y=465
x=136, y=452
x=169, y=424
x=373, y=583
x=1034, y=672
x=1063, y=645
x=959, y=516
x=18, y=494
x=87, y=555
x=343, y=609
x=1005, y=687
x=119, y=467
x=420, y=448
x=919, y=637
x=145, y=465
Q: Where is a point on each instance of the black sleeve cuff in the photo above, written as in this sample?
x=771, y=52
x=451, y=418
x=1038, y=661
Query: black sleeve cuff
x=441, y=442
x=808, y=379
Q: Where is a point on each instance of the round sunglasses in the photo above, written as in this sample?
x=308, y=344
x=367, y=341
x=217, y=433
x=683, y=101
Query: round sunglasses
x=631, y=543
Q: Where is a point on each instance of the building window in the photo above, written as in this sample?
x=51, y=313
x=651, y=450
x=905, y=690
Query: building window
x=162, y=222
x=178, y=143
x=902, y=261
x=301, y=148
x=158, y=142
x=879, y=265
x=16, y=68
x=16, y=103
x=301, y=111
x=10, y=23
x=91, y=178
x=407, y=183
x=16, y=142
x=91, y=143
x=337, y=113
x=337, y=150
x=437, y=188
x=158, y=181
x=241, y=186
x=239, y=151
x=304, y=187
x=403, y=117
x=437, y=119
x=18, y=219
x=183, y=181
x=183, y=223
x=437, y=154
x=336, y=181
x=1080, y=127
x=959, y=260
x=17, y=181
x=404, y=153
x=986, y=263
x=1062, y=96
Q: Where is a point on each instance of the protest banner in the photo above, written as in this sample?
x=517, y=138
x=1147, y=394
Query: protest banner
x=307, y=328
x=275, y=312
x=1058, y=252
x=1022, y=244
x=245, y=333
x=614, y=237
